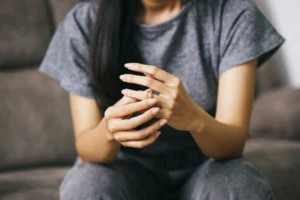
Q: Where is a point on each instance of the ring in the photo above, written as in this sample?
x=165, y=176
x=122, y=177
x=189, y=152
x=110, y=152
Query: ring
x=149, y=94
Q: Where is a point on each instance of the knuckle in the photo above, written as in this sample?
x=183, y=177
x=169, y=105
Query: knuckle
x=124, y=109
x=107, y=113
x=128, y=124
x=140, y=145
x=140, y=135
x=153, y=69
x=177, y=81
x=111, y=127
x=174, y=94
x=118, y=138
x=148, y=81
x=168, y=115
x=172, y=104
x=163, y=114
x=149, y=115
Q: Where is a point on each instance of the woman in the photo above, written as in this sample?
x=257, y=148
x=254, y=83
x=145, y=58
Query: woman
x=174, y=124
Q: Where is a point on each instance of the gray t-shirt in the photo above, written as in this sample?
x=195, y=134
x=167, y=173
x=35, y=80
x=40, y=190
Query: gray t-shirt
x=204, y=40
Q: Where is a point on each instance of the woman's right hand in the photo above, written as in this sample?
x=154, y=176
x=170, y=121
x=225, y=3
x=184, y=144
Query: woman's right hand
x=122, y=128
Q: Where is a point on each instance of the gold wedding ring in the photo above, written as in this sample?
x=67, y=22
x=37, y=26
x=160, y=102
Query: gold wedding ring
x=149, y=94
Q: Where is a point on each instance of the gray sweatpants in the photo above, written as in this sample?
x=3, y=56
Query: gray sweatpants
x=127, y=179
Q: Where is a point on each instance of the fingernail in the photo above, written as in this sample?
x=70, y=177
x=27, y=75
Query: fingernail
x=163, y=122
x=151, y=101
x=155, y=111
x=157, y=134
x=123, y=77
x=124, y=91
x=129, y=65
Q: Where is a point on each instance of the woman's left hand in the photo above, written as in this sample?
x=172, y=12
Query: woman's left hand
x=175, y=103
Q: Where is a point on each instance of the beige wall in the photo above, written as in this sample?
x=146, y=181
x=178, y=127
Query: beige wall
x=285, y=16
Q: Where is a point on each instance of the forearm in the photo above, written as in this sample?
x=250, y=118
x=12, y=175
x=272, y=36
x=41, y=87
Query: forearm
x=94, y=146
x=216, y=139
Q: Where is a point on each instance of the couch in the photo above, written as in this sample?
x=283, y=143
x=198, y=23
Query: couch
x=36, y=135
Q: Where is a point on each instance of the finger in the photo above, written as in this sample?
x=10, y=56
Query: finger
x=154, y=71
x=129, y=124
x=118, y=111
x=142, y=95
x=144, y=110
x=146, y=81
x=142, y=143
x=125, y=100
x=141, y=134
x=163, y=113
x=146, y=74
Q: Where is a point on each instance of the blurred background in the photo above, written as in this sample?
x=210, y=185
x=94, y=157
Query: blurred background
x=36, y=136
x=284, y=16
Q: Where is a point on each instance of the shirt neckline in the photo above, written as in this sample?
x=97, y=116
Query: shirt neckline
x=153, y=27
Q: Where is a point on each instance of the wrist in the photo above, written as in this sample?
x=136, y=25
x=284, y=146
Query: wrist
x=197, y=120
x=108, y=135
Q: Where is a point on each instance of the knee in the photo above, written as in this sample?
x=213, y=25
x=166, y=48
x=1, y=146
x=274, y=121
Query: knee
x=232, y=179
x=89, y=181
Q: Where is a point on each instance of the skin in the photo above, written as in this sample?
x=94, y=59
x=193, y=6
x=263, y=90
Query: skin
x=157, y=11
x=220, y=137
x=99, y=138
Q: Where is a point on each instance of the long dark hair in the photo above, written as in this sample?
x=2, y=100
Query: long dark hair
x=111, y=47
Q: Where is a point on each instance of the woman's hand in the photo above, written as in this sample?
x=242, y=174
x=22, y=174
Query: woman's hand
x=122, y=128
x=175, y=103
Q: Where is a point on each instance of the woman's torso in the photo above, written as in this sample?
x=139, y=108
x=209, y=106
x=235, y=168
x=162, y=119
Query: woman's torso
x=184, y=46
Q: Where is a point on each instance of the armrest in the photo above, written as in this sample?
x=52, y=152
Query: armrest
x=276, y=114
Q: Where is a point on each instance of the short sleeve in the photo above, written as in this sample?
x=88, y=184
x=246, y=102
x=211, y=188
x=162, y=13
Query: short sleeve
x=66, y=58
x=245, y=34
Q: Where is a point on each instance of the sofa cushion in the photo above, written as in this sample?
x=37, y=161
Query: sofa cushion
x=35, y=121
x=276, y=114
x=60, y=8
x=25, y=30
x=267, y=77
x=278, y=161
x=33, y=184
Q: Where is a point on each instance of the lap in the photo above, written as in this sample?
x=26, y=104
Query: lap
x=227, y=180
x=118, y=180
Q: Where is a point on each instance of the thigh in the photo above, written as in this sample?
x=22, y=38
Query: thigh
x=226, y=180
x=121, y=179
